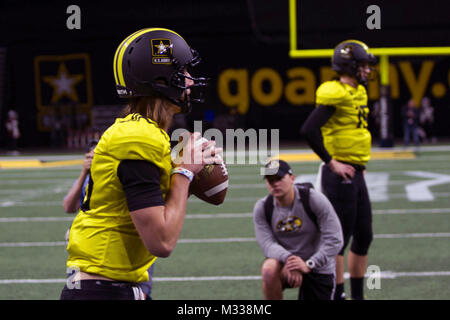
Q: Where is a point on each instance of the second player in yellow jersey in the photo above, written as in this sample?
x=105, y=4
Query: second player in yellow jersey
x=337, y=132
x=346, y=135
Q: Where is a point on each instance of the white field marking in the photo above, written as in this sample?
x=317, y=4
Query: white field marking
x=18, y=203
x=412, y=235
x=27, y=196
x=377, y=184
x=6, y=204
x=39, y=173
x=304, y=177
x=218, y=215
x=419, y=191
x=217, y=240
x=383, y=275
x=36, y=219
x=44, y=157
x=33, y=244
x=227, y=215
x=49, y=169
x=377, y=236
x=35, y=181
x=22, y=196
x=67, y=174
x=405, y=196
x=228, y=240
x=37, y=281
x=262, y=185
x=408, y=211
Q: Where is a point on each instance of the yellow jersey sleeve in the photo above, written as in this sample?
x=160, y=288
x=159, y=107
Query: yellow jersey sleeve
x=331, y=93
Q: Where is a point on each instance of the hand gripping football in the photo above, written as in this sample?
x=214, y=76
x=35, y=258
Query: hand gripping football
x=211, y=183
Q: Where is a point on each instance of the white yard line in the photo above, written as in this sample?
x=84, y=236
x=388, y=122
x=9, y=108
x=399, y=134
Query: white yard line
x=228, y=240
x=383, y=275
x=36, y=219
x=36, y=181
x=408, y=211
x=32, y=244
x=412, y=235
x=228, y=215
x=14, y=203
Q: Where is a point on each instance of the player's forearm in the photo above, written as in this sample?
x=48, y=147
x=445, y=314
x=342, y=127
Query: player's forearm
x=315, y=141
x=175, y=209
x=313, y=134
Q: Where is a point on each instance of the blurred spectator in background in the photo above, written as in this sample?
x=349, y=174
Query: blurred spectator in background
x=427, y=120
x=410, y=114
x=75, y=197
x=12, y=128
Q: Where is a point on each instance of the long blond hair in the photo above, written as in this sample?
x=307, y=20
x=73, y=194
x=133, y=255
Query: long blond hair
x=155, y=107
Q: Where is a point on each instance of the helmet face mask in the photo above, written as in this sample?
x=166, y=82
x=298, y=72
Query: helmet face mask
x=192, y=92
x=363, y=76
x=154, y=61
x=349, y=57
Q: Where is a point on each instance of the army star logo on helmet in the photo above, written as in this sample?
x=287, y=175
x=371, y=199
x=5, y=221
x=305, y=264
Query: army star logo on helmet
x=162, y=51
x=161, y=47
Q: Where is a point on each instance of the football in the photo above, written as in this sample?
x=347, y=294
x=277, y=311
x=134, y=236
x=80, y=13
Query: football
x=211, y=183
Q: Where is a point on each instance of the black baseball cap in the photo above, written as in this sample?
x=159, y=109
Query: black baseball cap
x=283, y=168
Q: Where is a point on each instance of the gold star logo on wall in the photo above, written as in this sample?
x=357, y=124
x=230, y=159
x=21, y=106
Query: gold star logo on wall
x=63, y=84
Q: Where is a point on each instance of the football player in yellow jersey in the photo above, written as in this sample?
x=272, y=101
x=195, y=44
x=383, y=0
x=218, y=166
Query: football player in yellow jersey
x=337, y=132
x=135, y=201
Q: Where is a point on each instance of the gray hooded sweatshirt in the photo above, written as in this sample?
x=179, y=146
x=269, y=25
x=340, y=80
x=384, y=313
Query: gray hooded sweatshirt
x=293, y=232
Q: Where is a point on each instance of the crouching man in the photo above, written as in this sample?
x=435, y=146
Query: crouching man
x=300, y=235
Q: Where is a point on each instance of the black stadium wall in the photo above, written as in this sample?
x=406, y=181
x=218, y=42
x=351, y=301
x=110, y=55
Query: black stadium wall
x=244, y=47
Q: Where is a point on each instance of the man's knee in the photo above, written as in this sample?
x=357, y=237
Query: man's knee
x=270, y=270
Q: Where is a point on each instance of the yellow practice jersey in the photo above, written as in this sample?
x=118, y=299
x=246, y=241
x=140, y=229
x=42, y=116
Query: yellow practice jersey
x=345, y=134
x=103, y=239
